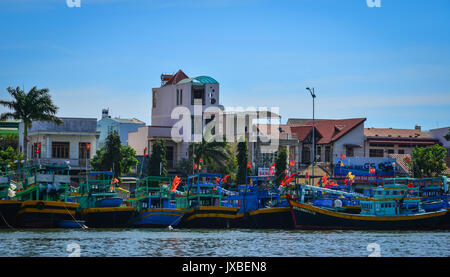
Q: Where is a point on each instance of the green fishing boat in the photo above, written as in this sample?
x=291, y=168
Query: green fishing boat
x=99, y=204
x=155, y=202
x=45, y=201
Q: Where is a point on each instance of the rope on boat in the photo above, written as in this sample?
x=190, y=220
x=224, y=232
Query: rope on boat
x=82, y=226
x=6, y=221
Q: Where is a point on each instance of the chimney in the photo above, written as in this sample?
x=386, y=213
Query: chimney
x=418, y=128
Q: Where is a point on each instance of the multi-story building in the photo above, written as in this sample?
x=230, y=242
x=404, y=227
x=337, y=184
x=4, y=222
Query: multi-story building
x=73, y=143
x=192, y=95
x=380, y=142
x=122, y=126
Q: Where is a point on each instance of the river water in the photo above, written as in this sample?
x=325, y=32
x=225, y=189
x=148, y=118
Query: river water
x=220, y=243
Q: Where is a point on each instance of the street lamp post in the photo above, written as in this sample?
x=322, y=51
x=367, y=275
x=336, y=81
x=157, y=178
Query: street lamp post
x=313, y=95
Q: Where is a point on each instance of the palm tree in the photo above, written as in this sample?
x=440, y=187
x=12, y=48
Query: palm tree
x=34, y=105
x=210, y=153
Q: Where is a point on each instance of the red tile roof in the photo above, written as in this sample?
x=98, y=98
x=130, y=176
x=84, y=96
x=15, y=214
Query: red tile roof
x=180, y=75
x=329, y=130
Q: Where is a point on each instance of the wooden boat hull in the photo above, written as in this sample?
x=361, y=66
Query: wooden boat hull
x=309, y=217
x=215, y=217
x=266, y=218
x=8, y=213
x=157, y=218
x=445, y=221
x=107, y=217
x=45, y=214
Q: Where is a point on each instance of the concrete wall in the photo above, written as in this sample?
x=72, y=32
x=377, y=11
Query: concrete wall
x=105, y=125
x=355, y=136
x=166, y=101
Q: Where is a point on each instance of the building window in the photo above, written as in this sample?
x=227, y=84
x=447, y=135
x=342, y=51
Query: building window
x=327, y=154
x=179, y=97
x=306, y=155
x=154, y=99
x=198, y=93
x=390, y=151
x=376, y=153
x=60, y=150
x=319, y=154
x=401, y=151
x=349, y=152
x=84, y=153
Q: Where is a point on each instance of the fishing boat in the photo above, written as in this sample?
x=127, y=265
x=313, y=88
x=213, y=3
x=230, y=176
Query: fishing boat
x=205, y=203
x=261, y=206
x=99, y=204
x=155, y=202
x=8, y=206
x=433, y=192
x=336, y=198
x=388, y=207
x=44, y=197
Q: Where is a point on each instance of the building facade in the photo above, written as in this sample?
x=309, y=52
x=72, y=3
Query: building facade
x=381, y=142
x=122, y=126
x=72, y=143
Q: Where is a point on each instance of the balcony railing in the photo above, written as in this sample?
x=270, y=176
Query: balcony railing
x=73, y=163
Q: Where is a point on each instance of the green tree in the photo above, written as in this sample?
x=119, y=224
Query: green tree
x=427, y=161
x=10, y=140
x=8, y=158
x=111, y=156
x=281, y=165
x=128, y=159
x=157, y=165
x=36, y=105
x=213, y=153
x=242, y=160
x=229, y=167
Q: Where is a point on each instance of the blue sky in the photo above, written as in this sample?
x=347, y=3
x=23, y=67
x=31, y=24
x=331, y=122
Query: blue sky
x=389, y=64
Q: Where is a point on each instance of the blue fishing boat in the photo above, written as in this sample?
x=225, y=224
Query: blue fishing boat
x=433, y=192
x=387, y=207
x=261, y=206
x=72, y=224
x=205, y=203
x=155, y=202
x=100, y=206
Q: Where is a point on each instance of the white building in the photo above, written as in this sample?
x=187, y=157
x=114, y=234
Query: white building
x=177, y=91
x=74, y=142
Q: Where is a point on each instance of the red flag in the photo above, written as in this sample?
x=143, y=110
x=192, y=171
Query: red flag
x=306, y=175
x=372, y=170
x=224, y=180
x=175, y=182
x=249, y=165
x=201, y=161
x=343, y=157
x=408, y=159
x=287, y=179
x=410, y=185
x=145, y=152
x=195, y=166
x=291, y=163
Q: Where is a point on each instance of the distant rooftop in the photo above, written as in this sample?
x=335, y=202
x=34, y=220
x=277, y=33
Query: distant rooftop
x=200, y=80
x=128, y=120
x=70, y=124
x=396, y=133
